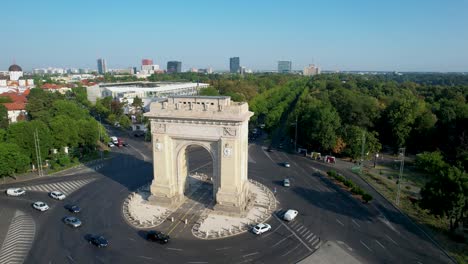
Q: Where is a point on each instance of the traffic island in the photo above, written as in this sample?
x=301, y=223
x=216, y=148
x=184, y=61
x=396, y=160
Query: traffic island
x=214, y=224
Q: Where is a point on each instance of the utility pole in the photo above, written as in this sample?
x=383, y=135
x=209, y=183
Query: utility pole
x=401, y=156
x=38, y=154
x=363, y=145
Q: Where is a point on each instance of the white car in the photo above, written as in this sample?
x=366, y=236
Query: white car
x=287, y=165
x=41, y=206
x=57, y=195
x=261, y=228
x=290, y=215
x=110, y=145
x=15, y=191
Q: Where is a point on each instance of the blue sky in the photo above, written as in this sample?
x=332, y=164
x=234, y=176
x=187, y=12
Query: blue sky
x=398, y=35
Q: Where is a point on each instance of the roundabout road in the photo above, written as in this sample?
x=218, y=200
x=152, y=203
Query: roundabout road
x=325, y=212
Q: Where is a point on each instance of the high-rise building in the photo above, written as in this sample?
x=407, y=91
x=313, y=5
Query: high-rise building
x=234, y=65
x=101, y=66
x=174, y=66
x=311, y=70
x=146, y=62
x=284, y=66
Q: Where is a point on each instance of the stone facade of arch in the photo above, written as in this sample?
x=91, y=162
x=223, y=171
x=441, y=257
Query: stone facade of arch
x=215, y=123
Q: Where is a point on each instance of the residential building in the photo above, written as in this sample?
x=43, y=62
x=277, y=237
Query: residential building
x=234, y=65
x=174, y=66
x=101, y=65
x=284, y=66
x=146, y=62
x=311, y=70
x=16, y=109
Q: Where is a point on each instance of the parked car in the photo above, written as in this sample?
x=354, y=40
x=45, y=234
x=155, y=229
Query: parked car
x=286, y=164
x=73, y=208
x=98, y=241
x=290, y=215
x=41, y=206
x=72, y=221
x=270, y=149
x=286, y=183
x=110, y=145
x=114, y=140
x=139, y=134
x=57, y=195
x=261, y=228
x=15, y=191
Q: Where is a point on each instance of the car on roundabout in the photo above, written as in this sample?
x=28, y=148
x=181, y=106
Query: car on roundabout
x=290, y=215
x=261, y=228
x=286, y=164
x=72, y=221
x=97, y=240
x=15, y=192
x=157, y=236
x=41, y=206
x=57, y=195
x=73, y=208
x=286, y=182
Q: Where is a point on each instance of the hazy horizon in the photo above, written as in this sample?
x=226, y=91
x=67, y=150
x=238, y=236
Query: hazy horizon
x=337, y=35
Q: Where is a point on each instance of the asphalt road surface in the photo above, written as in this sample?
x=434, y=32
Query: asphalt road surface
x=372, y=233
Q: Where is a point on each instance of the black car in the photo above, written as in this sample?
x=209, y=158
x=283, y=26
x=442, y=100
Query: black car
x=157, y=236
x=139, y=134
x=98, y=241
x=73, y=208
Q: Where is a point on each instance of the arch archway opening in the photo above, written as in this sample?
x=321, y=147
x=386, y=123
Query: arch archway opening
x=196, y=169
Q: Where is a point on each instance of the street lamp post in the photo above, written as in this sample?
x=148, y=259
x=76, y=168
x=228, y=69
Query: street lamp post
x=375, y=159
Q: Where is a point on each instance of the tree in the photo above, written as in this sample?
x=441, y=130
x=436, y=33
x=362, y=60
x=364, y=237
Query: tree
x=68, y=108
x=12, y=160
x=3, y=117
x=137, y=104
x=447, y=195
x=431, y=162
x=208, y=91
x=125, y=122
x=353, y=136
x=88, y=132
x=65, y=131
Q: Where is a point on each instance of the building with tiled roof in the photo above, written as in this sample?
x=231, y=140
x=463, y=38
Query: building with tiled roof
x=17, y=107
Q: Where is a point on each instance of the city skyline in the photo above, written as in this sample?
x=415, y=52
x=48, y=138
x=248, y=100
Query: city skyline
x=337, y=35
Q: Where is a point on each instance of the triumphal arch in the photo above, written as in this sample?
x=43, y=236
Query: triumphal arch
x=212, y=122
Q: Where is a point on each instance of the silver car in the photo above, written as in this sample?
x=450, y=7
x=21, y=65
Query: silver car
x=72, y=221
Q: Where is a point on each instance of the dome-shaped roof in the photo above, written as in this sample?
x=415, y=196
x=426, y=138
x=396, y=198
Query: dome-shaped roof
x=15, y=67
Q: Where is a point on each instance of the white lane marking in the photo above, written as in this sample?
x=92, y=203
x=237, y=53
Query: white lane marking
x=306, y=233
x=312, y=238
x=300, y=228
x=311, y=234
x=70, y=258
x=364, y=244
x=177, y=249
x=343, y=243
x=251, y=254
x=55, y=186
x=291, y=250
x=339, y=222
x=279, y=242
x=271, y=232
x=42, y=188
x=197, y=262
x=223, y=248
x=287, y=227
x=356, y=223
x=145, y=257
x=295, y=224
x=302, y=232
x=391, y=239
x=380, y=244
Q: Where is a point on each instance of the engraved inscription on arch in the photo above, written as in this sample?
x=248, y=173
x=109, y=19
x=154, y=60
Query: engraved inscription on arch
x=229, y=131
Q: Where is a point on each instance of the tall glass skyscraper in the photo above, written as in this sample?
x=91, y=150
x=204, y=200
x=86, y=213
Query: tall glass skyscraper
x=174, y=66
x=234, y=65
x=284, y=66
x=101, y=66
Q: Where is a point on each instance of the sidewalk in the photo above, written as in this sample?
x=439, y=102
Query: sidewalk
x=34, y=175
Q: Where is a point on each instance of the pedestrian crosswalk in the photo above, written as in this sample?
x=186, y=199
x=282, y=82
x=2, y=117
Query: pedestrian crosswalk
x=306, y=235
x=19, y=239
x=66, y=187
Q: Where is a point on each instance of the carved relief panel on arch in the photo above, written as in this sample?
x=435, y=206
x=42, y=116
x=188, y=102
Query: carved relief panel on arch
x=159, y=128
